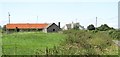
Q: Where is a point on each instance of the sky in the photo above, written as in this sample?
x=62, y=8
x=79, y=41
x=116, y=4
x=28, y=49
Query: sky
x=64, y=11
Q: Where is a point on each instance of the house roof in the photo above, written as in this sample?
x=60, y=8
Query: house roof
x=27, y=25
x=49, y=25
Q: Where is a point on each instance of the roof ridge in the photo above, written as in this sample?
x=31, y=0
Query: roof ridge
x=29, y=23
x=25, y=25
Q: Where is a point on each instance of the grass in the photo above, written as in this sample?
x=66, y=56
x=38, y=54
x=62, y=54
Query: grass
x=28, y=43
x=71, y=42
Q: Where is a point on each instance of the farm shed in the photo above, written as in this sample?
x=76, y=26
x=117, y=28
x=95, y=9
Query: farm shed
x=51, y=28
x=45, y=27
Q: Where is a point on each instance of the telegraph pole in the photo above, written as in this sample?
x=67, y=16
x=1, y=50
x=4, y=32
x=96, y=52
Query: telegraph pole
x=96, y=21
x=76, y=20
x=37, y=19
x=9, y=17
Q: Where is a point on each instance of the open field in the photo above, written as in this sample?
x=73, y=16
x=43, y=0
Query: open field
x=71, y=42
x=28, y=43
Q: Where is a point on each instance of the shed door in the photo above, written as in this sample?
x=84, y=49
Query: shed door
x=53, y=30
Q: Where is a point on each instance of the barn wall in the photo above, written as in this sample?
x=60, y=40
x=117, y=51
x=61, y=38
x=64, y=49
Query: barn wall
x=10, y=30
x=23, y=30
x=53, y=28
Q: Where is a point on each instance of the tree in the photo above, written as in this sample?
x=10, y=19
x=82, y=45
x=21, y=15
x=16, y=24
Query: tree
x=0, y=27
x=91, y=27
x=104, y=27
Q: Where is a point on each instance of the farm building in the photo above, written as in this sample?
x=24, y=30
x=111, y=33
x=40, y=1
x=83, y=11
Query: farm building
x=72, y=25
x=45, y=27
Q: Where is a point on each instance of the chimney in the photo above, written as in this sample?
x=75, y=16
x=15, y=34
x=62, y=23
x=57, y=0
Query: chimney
x=59, y=24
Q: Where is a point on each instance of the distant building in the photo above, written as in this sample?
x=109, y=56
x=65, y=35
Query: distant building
x=72, y=25
x=33, y=27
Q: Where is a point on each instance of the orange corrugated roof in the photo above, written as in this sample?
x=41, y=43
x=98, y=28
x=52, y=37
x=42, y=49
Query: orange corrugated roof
x=26, y=26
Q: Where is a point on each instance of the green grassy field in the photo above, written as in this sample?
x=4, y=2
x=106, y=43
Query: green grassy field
x=73, y=42
x=28, y=43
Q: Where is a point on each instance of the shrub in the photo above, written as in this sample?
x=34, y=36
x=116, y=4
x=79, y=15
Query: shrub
x=115, y=34
x=104, y=27
x=82, y=42
x=91, y=27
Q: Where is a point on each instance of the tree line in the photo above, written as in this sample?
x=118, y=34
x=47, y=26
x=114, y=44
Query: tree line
x=103, y=27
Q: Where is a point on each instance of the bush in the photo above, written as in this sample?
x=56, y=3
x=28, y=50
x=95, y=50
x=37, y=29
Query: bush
x=84, y=42
x=115, y=34
x=91, y=27
x=90, y=42
x=104, y=27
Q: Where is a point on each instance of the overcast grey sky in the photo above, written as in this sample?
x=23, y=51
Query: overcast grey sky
x=65, y=11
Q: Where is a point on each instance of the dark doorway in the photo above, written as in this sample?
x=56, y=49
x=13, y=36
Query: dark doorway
x=17, y=29
x=53, y=30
